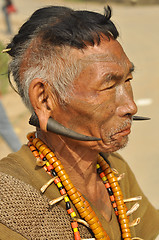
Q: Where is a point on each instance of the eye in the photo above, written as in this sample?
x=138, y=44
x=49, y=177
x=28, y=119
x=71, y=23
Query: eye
x=129, y=79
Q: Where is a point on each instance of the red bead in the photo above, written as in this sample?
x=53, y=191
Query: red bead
x=77, y=236
x=57, y=180
x=70, y=210
x=102, y=174
x=50, y=167
x=63, y=191
x=114, y=205
x=112, y=198
x=107, y=185
x=74, y=224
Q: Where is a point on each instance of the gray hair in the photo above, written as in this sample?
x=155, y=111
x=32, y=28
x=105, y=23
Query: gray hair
x=54, y=65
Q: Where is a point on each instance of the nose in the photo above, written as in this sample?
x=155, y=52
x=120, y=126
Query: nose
x=126, y=104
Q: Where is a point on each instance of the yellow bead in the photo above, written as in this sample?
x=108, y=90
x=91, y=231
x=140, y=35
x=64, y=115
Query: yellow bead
x=47, y=164
x=98, y=166
x=104, y=178
x=73, y=214
x=75, y=229
x=66, y=199
x=59, y=184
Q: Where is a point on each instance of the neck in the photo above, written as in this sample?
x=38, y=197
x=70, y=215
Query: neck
x=80, y=162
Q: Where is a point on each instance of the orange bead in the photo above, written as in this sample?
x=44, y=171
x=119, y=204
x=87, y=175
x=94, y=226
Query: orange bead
x=32, y=148
x=79, y=205
x=115, y=189
x=64, y=177
x=72, y=191
x=114, y=184
x=35, y=140
x=126, y=235
x=89, y=208
x=61, y=173
x=84, y=213
x=59, y=168
x=56, y=164
x=107, y=171
x=94, y=225
x=31, y=136
x=120, y=207
x=110, y=175
x=90, y=216
x=52, y=160
x=125, y=230
x=93, y=222
x=69, y=187
x=36, y=154
x=123, y=221
x=38, y=144
x=74, y=197
x=119, y=193
x=125, y=225
x=48, y=155
x=112, y=180
x=44, y=150
x=122, y=216
x=98, y=233
x=86, y=204
x=66, y=182
x=122, y=211
x=119, y=200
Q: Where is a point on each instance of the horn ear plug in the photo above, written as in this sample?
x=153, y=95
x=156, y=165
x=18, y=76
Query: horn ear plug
x=55, y=127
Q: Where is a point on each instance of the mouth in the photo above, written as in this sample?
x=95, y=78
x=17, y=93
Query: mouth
x=121, y=133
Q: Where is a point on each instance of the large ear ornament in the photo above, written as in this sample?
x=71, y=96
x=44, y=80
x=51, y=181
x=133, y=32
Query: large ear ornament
x=55, y=127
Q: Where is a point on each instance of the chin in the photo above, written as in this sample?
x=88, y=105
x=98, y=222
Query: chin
x=114, y=146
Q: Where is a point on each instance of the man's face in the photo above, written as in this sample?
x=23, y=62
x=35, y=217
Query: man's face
x=102, y=102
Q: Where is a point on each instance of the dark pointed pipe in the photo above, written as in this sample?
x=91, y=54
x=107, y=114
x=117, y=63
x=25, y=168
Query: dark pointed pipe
x=139, y=118
x=55, y=127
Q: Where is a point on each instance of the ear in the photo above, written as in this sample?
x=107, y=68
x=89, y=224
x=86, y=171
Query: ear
x=41, y=100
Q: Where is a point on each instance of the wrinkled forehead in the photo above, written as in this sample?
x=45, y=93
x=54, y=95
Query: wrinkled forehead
x=106, y=51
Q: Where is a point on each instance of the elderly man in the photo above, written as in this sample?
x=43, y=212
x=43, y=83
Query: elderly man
x=74, y=76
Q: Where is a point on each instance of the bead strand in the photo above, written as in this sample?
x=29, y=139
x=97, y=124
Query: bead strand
x=50, y=170
x=122, y=216
x=108, y=187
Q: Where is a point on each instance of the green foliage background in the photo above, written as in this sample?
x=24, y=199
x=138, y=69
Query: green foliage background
x=4, y=58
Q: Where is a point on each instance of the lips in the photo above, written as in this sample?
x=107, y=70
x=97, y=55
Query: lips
x=121, y=133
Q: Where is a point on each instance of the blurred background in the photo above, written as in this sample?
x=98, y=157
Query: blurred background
x=138, y=25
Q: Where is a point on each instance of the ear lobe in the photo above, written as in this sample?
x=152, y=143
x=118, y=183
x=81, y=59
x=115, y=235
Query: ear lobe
x=40, y=98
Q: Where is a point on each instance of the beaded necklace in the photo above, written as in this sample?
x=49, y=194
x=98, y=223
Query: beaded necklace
x=47, y=159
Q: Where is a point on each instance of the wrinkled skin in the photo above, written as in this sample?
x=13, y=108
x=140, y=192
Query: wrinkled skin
x=102, y=104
